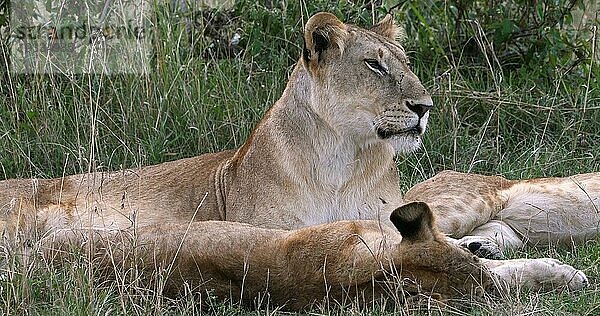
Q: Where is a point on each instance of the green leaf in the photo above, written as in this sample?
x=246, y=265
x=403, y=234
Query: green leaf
x=31, y=114
x=504, y=30
x=568, y=18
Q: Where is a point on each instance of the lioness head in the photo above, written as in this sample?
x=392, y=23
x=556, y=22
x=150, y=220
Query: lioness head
x=363, y=83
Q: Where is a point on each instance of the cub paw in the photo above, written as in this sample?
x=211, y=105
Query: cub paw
x=482, y=247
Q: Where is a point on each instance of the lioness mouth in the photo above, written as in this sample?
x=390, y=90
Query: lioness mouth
x=387, y=133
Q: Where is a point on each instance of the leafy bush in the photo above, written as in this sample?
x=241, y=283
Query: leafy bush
x=517, y=33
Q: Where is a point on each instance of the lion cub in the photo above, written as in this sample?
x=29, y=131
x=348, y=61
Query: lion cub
x=342, y=261
x=348, y=261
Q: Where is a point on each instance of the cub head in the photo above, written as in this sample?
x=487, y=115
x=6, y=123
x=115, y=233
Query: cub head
x=362, y=82
x=433, y=264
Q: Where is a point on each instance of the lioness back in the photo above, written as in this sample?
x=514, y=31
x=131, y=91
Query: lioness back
x=173, y=191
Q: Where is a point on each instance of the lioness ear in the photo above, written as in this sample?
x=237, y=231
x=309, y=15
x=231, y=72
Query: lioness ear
x=388, y=28
x=324, y=35
x=414, y=221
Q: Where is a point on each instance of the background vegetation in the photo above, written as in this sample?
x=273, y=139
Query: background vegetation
x=515, y=86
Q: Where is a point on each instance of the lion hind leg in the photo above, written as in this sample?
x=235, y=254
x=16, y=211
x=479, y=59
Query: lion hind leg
x=552, y=211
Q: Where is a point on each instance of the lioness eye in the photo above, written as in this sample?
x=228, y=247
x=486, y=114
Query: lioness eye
x=374, y=65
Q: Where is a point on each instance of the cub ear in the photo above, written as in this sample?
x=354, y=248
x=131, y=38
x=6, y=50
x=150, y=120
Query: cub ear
x=414, y=221
x=388, y=28
x=324, y=35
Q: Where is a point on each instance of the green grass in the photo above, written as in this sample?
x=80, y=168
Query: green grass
x=535, y=122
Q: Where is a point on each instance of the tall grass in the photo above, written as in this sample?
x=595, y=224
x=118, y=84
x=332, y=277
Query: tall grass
x=531, y=121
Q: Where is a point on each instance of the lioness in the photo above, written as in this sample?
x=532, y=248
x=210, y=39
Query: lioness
x=343, y=262
x=323, y=153
x=513, y=213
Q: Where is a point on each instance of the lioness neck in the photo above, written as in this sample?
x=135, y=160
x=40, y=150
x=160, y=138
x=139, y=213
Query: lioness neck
x=318, y=166
x=316, y=147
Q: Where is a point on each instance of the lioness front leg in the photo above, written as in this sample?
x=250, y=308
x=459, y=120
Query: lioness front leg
x=491, y=239
x=537, y=274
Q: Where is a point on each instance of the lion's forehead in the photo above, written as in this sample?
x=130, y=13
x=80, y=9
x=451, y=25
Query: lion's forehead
x=363, y=37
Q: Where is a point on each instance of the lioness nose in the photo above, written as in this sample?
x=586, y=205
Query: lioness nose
x=419, y=107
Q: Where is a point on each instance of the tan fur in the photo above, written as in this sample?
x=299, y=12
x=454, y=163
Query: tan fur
x=315, y=157
x=514, y=213
x=387, y=28
x=344, y=262
x=324, y=152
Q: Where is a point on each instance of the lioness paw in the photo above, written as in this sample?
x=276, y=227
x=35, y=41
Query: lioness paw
x=483, y=247
x=564, y=275
x=544, y=274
